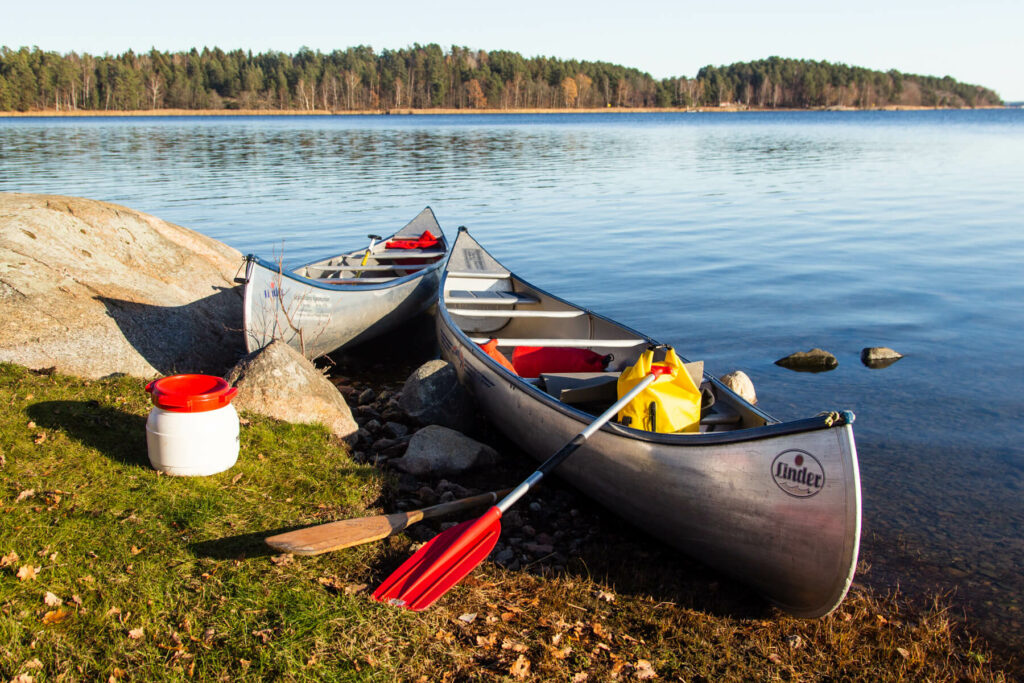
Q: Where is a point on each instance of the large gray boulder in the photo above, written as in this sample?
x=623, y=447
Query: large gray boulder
x=279, y=382
x=433, y=395
x=94, y=289
x=437, y=450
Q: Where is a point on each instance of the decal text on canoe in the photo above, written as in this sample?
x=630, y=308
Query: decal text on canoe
x=798, y=473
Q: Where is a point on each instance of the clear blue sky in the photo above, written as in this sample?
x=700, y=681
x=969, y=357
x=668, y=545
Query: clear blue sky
x=975, y=41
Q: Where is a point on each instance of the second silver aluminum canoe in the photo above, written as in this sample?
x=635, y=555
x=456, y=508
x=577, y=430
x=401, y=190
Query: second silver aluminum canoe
x=343, y=300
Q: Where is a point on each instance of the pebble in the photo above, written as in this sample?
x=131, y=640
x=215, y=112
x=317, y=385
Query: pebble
x=366, y=396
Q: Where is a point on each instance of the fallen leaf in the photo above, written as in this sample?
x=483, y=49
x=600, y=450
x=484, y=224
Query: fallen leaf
x=599, y=630
x=331, y=583
x=903, y=652
x=39, y=438
x=136, y=633
x=520, y=668
x=113, y=611
x=795, y=641
x=33, y=664
x=136, y=550
x=559, y=654
x=235, y=479
x=25, y=495
x=881, y=619
x=353, y=588
x=23, y=678
x=51, y=600
x=509, y=644
x=580, y=677
x=643, y=670
x=606, y=596
x=263, y=635
x=8, y=559
x=77, y=600
x=55, y=617
x=487, y=641
x=282, y=559
x=468, y=617
x=31, y=424
x=27, y=573
x=774, y=658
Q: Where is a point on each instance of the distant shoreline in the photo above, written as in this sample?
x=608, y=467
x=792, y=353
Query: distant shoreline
x=81, y=113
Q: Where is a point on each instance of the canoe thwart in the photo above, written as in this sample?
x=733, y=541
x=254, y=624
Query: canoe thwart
x=582, y=343
x=489, y=297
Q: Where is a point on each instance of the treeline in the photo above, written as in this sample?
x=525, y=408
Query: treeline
x=427, y=76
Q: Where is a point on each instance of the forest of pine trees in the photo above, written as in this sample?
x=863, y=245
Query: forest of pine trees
x=427, y=76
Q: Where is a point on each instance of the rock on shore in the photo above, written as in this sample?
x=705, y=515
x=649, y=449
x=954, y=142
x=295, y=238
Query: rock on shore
x=93, y=289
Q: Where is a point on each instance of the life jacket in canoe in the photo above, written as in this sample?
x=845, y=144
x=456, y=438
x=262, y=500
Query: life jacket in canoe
x=670, y=404
x=491, y=349
x=424, y=241
x=531, y=361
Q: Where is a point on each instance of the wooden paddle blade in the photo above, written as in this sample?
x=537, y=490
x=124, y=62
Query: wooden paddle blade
x=441, y=563
x=346, y=533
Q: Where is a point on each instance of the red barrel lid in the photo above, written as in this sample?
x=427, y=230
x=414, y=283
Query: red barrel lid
x=191, y=393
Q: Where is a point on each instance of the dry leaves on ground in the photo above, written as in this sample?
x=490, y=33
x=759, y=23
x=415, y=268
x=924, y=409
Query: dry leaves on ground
x=520, y=668
x=51, y=600
x=55, y=616
x=27, y=573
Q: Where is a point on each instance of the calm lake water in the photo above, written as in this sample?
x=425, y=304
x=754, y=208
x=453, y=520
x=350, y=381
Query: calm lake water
x=740, y=238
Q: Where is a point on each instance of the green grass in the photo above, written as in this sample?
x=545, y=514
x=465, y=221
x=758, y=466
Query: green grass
x=125, y=548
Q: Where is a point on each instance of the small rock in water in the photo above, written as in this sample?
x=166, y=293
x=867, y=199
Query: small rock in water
x=877, y=357
x=815, y=360
x=740, y=384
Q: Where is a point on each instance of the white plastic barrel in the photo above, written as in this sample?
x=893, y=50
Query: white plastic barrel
x=192, y=429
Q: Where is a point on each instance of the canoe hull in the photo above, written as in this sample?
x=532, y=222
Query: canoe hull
x=316, y=319
x=346, y=299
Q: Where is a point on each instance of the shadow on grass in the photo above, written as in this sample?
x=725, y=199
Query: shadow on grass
x=241, y=546
x=116, y=434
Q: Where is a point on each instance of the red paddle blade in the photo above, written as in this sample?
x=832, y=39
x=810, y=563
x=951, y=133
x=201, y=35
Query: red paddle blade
x=441, y=563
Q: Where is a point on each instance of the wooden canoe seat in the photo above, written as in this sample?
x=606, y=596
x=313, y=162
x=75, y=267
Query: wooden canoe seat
x=490, y=298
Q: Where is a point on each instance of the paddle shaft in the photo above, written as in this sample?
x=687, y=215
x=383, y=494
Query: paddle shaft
x=577, y=441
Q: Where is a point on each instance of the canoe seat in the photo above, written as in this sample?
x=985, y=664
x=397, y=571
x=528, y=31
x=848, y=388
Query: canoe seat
x=582, y=343
x=512, y=313
x=581, y=387
x=392, y=254
x=355, y=281
x=491, y=298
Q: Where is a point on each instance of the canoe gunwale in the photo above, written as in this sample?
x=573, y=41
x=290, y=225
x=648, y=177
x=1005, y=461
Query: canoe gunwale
x=311, y=282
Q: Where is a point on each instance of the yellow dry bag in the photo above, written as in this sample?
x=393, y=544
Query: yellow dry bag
x=670, y=404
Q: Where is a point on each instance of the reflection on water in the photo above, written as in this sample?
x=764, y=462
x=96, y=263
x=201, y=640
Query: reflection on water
x=741, y=238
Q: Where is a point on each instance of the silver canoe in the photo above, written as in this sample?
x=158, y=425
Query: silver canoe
x=346, y=299
x=776, y=505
